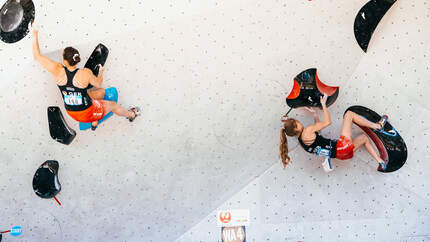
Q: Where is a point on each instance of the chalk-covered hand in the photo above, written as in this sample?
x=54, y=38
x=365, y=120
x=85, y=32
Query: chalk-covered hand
x=323, y=99
x=284, y=118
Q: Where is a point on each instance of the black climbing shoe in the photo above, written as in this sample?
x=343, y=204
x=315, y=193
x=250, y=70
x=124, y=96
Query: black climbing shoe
x=136, y=111
x=382, y=122
x=94, y=126
x=383, y=166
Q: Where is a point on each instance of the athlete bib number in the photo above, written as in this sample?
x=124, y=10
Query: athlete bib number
x=73, y=99
x=323, y=152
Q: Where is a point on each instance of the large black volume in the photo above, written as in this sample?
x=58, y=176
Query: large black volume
x=98, y=57
x=45, y=180
x=391, y=146
x=308, y=89
x=58, y=127
x=15, y=16
x=367, y=20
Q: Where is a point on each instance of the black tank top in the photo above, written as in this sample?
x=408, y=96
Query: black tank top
x=320, y=142
x=75, y=98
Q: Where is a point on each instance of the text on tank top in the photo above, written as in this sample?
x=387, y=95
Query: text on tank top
x=320, y=142
x=75, y=98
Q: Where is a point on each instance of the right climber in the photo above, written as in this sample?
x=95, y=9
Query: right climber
x=343, y=148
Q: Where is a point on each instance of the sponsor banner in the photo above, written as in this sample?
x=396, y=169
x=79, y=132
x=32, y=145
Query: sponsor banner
x=233, y=234
x=230, y=218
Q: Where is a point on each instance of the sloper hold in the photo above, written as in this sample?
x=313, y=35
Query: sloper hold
x=391, y=146
x=45, y=180
x=308, y=89
x=367, y=20
x=58, y=127
x=98, y=57
x=15, y=17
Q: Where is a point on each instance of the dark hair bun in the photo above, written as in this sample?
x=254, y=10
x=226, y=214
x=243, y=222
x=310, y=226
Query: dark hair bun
x=71, y=55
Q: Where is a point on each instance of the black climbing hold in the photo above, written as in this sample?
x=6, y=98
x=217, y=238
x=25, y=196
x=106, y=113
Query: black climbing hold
x=367, y=20
x=98, y=57
x=308, y=90
x=45, y=180
x=58, y=127
x=15, y=16
x=391, y=146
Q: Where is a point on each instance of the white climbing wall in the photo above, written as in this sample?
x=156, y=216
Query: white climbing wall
x=211, y=78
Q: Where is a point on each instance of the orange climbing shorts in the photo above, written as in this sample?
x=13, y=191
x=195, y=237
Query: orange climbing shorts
x=344, y=148
x=94, y=113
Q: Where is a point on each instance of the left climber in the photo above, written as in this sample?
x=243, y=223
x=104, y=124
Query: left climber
x=83, y=105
